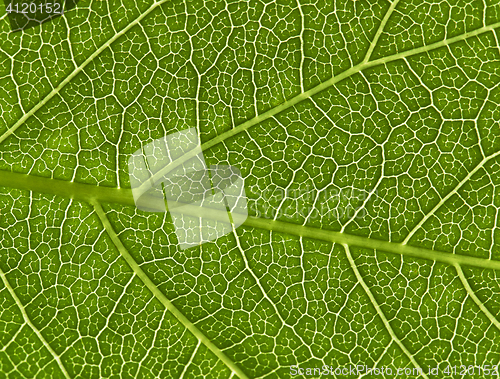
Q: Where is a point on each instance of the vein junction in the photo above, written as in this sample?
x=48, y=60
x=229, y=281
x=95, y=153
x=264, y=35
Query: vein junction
x=99, y=194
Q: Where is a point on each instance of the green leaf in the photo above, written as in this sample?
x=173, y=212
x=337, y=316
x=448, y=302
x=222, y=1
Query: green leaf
x=367, y=134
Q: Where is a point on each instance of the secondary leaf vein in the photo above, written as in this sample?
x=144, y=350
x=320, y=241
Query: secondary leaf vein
x=160, y=296
x=33, y=327
x=379, y=311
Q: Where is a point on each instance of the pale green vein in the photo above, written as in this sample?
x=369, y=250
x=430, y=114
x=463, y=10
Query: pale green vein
x=271, y=112
x=264, y=292
x=311, y=92
x=370, y=243
x=190, y=362
x=30, y=324
x=99, y=194
x=436, y=45
x=381, y=314
x=473, y=296
x=160, y=296
x=334, y=80
x=148, y=354
x=448, y=195
x=376, y=364
x=380, y=30
x=302, y=46
x=78, y=69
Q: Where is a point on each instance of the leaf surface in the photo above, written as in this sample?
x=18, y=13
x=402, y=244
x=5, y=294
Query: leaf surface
x=367, y=133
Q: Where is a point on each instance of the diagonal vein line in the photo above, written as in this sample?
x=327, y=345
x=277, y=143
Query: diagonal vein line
x=78, y=69
x=98, y=194
x=191, y=359
x=12, y=339
x=456, y=260
x=271, y=112
x=380, y=30
x=264, y=293
x=313, y=91
x=473, y=296
x=334, y=80
x=160, y=296
x=378, y=360
x=150, y=349
x=450, y=194
x=370, y=243
x=33, y=327
x=379, y=311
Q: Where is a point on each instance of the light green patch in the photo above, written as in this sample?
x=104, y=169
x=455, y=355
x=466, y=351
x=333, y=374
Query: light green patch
x=368, y=137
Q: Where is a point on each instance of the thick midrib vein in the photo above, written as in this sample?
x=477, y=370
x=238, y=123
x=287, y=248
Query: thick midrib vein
x=160, y=296
x=98, y=194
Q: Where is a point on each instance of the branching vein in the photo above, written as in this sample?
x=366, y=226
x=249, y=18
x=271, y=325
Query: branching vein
x=160, y=296
x=33, y=327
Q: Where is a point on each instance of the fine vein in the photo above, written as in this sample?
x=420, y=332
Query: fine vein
x=77, y=70
x=160, y=296
x=379, y=311
x=99, y=194
x=448, y=195
x=313, y=91
x=473, y=296
x=380, y=30
x=30, y=324
x=271, y=112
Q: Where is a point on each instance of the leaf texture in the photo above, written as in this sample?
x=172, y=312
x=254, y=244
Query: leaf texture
x=367, y=134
